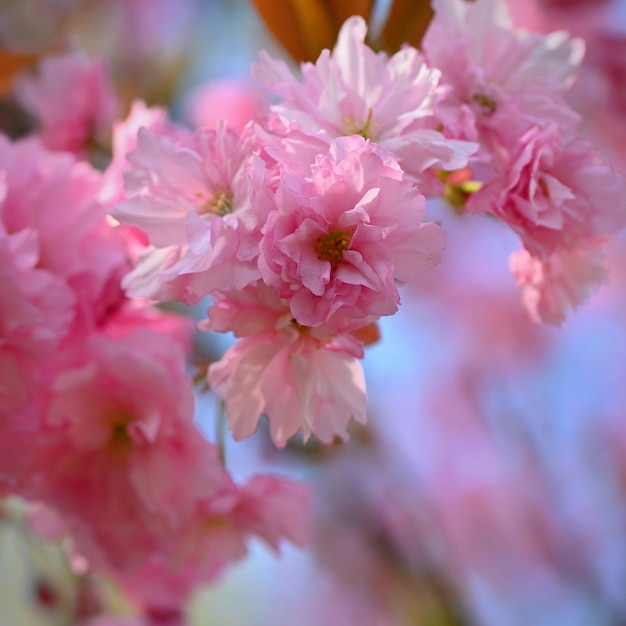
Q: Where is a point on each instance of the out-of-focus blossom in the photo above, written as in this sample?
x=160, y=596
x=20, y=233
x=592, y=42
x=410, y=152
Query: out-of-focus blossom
x=61, y=267
x=553, y=286
x=51, y=200
x=118, y=453
x=72, y=99
x=235, y=101
x=124, y=142
x=271, y=508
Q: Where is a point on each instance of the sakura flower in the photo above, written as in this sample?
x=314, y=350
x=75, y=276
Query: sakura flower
x=72, y=99
x=124, y=141
x=339, y=240
x=270, y=508
x=118, y=453
x=298, y=377
x=501, y=79
x=554, y=194
x=231, y=99
x=51, y=198
x=201, y=207
x=60, y=267
x=552, y=287
x=36, y=312
x=353, y=90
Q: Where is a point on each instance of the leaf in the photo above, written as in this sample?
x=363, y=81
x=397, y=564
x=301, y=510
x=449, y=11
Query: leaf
x=343, y=9
x=367, y=334
x=318, y=26
x=306, y=27
x=407, y=23
x=12, y=64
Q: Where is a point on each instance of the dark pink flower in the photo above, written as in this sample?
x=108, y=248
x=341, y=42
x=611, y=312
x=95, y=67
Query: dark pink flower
x=339, y=241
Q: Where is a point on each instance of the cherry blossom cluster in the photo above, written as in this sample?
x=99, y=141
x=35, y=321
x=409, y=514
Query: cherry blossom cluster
x=300, y=227
x=96, y=404
x=539, y=178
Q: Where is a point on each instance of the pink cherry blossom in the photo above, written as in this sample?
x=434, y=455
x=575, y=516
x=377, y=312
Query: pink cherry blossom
x=36, y=313
x=271, y=508
x=298, y=377
x=339, y=240
x=201, y=207
x=60, y=271
x=554, y=194
x=353, y=90
x=235, y=101
x=118, y=453
x=53, y=197
x=72, y=99
x=124, y=141
x=501, y=79
x=554, y=286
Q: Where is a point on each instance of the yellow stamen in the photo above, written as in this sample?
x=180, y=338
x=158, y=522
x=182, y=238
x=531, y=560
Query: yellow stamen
x=330, y=247
x=487, y=103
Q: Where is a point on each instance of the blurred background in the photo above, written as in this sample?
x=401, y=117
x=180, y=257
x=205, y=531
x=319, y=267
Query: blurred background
x=489, y=486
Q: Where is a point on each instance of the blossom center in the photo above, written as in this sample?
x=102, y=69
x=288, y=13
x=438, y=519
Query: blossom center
x=365, y=128
x=212, y=523
x=120, y=440
x=330, y=247
x=487, y=104
x=220, y=204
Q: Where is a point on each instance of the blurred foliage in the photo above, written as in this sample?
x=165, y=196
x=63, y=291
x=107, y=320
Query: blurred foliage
x=11, y=64
x=306, y=27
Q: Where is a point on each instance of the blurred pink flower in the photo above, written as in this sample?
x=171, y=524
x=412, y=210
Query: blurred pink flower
x=230, y=100
x=124, y=141
x=72, y=99
x=118, y=453
x=60, y=271
x=270, y=508
x=553, y=286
